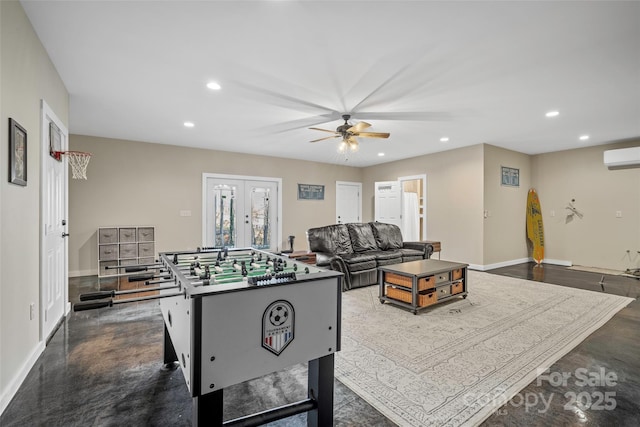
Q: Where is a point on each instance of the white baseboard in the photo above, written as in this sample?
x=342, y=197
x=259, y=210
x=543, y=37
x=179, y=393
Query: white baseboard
x=18, y=378
x=498, y=264
x=80, y=273
x=557, y=262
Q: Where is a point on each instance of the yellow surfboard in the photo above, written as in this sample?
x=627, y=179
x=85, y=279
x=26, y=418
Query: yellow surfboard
x=535, y=231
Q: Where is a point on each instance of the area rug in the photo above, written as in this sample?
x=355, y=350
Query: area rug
x=457, y=362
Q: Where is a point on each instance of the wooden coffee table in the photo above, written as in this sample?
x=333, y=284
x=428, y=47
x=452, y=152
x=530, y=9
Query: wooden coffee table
x=417, y=285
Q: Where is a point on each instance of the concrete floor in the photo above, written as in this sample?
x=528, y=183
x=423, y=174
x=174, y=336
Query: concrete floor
x=102, y=368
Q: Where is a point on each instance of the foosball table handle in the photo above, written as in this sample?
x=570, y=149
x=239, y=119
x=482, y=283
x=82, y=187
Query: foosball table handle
x=97, y=295
x=92, y=305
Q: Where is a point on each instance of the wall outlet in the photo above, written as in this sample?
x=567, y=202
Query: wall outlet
x=185, y=213
x=553, y=213
x=32, y=309
x=618, y=214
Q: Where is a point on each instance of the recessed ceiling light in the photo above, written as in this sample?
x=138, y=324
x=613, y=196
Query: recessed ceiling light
x=188, y=124
x=584, y=137
x=213, y=86
x=380, y=154
x=552, y=114
x=444, y=139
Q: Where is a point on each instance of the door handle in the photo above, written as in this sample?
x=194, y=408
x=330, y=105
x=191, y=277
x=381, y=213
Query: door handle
x=65, y=234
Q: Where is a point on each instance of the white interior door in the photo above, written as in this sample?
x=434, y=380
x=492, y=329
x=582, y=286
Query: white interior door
x=388, y=202
x=53, y=264
x=348, y=202
x=241, y=213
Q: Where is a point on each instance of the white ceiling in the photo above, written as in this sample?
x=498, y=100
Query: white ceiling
x=476, y=72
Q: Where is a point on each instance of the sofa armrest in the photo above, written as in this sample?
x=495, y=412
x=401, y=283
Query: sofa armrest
x=336, y=263
x=323, y=259
x=425, y=248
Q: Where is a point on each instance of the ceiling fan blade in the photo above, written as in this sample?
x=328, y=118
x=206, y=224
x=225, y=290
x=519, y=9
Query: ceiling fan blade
x=299, y=123
x=417, y=116
x=373, y=134
x=327, y=137
x=324, y=130
x=358, y=127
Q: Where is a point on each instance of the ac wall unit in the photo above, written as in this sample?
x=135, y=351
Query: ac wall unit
x=622, y=158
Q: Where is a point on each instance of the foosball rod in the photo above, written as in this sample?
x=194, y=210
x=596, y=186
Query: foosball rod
x=110, y=294
x=158, y=282
x=189, y=261
x=148, y=277
x=81, y=306
x=134, y=268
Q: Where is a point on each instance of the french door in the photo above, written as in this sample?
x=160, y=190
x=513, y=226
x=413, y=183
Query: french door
x=241, y=212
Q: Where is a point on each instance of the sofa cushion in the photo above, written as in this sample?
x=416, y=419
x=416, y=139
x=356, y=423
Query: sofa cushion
x=386, y=255
x=388, y=236
x=362, y=238
x=359, y=262
x=332, y=239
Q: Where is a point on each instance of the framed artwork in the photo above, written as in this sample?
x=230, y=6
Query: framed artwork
x=17, y=153
x=310, y=192
x=510, y=177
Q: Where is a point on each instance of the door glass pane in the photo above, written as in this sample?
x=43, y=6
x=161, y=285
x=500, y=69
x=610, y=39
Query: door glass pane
x=224, y=227
x=260, y=226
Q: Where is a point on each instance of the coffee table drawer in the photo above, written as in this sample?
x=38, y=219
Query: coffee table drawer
x=424, y=283
x=444, y=291
x=456, y=288
x=405, y=296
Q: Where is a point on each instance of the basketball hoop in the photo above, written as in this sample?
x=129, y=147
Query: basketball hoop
x=78, y=161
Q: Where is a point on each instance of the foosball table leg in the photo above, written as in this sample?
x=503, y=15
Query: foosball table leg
x=320, y=384
x=207, y=409
x=169, y=352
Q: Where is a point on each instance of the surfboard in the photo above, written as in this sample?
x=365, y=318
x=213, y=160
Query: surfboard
x=535, y=230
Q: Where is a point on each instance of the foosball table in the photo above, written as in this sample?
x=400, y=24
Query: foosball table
x=231, y=315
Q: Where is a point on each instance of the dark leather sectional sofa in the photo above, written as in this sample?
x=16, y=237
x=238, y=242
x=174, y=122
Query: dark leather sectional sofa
x=358, y=249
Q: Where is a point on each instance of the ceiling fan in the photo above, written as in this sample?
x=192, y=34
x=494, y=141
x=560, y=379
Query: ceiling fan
x=349, y=132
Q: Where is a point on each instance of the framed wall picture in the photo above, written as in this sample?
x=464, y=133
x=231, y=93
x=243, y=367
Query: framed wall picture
x=17, y=153
x=310, y=192
x=510, y=177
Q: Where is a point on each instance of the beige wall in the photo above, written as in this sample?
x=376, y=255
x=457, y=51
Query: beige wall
x=137, y=183
x=505, y=237
x=26, y=76
x=454, y=198
x=598, y=239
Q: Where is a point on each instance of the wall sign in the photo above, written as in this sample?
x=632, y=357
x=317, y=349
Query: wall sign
x=310, y=192
x=510, y=177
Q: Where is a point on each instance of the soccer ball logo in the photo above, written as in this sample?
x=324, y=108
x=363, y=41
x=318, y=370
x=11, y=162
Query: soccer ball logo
x=278, y=326
x=278, y=315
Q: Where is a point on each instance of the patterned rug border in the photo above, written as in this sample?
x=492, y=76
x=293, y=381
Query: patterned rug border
x=474, y=412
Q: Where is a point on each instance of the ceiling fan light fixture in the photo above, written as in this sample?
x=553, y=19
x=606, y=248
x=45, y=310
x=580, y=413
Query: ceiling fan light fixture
x=342, y=147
